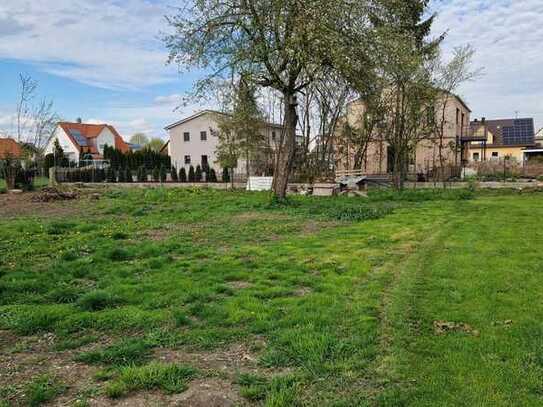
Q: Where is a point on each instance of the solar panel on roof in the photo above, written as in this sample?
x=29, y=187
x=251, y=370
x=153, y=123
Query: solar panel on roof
x=79, y=138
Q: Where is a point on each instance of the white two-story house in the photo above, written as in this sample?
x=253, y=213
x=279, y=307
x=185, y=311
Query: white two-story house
x=193, y=141
x=80, y=139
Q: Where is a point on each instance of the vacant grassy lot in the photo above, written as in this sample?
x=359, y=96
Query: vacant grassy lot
x=207, y=298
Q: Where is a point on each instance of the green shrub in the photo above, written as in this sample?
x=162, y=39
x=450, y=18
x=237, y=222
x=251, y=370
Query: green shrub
x=163, y=174
x=182, y=175
x=98, y=300
x=173, y=174
x=225, y=175
x=142, y=174
x=212, y=175
x=192, y=176
x=198, y=174
x=156, y=174
x=170, y=378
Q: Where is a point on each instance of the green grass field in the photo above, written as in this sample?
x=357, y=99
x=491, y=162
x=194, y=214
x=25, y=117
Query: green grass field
x=416, y=299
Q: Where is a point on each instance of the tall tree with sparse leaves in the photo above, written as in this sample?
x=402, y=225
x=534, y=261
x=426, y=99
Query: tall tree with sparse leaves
x=279, y=44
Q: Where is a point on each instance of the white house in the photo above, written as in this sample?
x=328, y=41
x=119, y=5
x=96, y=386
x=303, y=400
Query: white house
x=193, y=141
x=79, y=139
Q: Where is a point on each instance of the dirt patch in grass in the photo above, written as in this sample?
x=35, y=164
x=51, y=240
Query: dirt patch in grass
x=210, y=392
x=15, y=205
x=236, y=357
x=445, y=327
x=239, y=285
x=302, y=291
x=20, y=368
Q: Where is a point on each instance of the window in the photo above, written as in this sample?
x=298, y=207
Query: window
x=186, y=136
x=204, y=161
x=273, y=135
x=475, y=156
x=187, y=160
x=203, y=135
x=495, y=154
x=457, y=116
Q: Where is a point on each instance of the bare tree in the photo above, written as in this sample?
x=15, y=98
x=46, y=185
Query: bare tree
x=448, y=78
x=44, y=120
x=27, y=93
x=35, y=121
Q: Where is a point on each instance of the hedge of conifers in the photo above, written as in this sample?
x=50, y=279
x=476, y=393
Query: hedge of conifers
x=142, y=174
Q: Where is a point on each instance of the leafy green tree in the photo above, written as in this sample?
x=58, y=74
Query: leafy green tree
x=140, y=139
x=239, y=133
x=182, y=175
x=155, y=144
x=282, y=44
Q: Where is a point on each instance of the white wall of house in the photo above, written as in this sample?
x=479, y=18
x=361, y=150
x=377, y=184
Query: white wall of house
x=106, y=137
x=180, y=150
x=70, y=150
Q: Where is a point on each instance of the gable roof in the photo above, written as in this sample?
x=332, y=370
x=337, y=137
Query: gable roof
x=82, y=135
x=10, y=147
x=209, y=111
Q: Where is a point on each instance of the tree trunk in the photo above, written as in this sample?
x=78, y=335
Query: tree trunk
x=285, y=160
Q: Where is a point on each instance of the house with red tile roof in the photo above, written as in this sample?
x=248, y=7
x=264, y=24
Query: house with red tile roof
x=81, y=139
x=10, y=148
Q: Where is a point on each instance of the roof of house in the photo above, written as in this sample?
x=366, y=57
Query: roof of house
x=210, y=111
x=9, y=147
x=508, y=132
x=81, y=135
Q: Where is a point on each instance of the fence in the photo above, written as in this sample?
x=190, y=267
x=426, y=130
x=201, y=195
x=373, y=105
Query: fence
x=503, y=169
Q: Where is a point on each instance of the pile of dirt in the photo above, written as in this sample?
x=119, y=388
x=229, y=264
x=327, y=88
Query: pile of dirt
x=53, y=194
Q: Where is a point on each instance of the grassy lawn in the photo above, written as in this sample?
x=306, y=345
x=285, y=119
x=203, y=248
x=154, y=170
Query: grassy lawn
x=172, y=295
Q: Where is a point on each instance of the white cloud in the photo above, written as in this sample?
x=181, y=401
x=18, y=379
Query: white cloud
x=104, y=43
x=169, y=100
x=508, y=38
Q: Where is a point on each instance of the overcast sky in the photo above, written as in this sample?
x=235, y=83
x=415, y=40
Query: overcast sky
x=103, y=60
